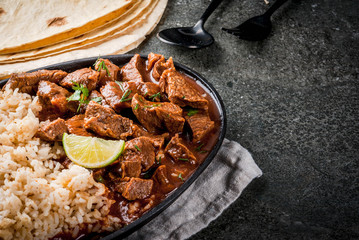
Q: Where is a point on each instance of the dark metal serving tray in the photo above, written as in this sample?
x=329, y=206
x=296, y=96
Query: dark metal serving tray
x=120, y=60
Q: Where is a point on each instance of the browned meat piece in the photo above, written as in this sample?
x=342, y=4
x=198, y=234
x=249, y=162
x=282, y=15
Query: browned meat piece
x=139, y=131
x=106, y=76
x=179, y=91
x=94, y=96
x=157, y=140
x=160, y=66
x=152, y=59
x=28, y=82
x=75, y=125
x=160, y=176
x=99, y=98
x=131, y=71
x=85, y=76
x=119, y=95
x=52, y=131
x=131, y=168
x=140, y=149
x=120, y=187
x=178, y=151
x=200, y=123
x=151, y=91
x=137, y=188
x=52, y=96
x=156, y=116
x=105, y=122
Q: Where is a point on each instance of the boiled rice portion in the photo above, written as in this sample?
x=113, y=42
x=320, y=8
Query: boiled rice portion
x=38, y=197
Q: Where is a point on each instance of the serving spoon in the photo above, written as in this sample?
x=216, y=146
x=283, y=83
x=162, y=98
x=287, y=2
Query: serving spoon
x=191, y=37
x=256, y=28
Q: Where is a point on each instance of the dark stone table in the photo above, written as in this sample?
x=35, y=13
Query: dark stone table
x=293, y=102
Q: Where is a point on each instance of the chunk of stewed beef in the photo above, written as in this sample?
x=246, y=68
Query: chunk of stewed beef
x=106, y=123
x=75, y=125
x=160, y=66
x=140, y=149
x=179, y=91
x=199, y=122
x=52, y=96
x=108, y=71
x=178, y=151
x=131, y=71
x=151, y=91
x=52, y=130
x=157, y=140
x=28, y=82
x=139, y=131
x=118, y=95
x=157, y=63
x=136, y=188
x=85, y=76
x=131, y=167
x=161, y=178
x=158, y=116
x=152, y=59
x=99, y=98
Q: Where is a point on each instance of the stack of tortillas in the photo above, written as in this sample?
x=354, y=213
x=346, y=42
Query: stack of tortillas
x=43, y=32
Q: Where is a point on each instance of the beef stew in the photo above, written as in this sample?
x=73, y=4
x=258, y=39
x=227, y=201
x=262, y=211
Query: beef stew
x=172, y=146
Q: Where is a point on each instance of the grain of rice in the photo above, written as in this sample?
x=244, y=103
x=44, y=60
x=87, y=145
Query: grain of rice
x=38, y=197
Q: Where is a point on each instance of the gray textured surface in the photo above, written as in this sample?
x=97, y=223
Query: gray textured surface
x=293, y=101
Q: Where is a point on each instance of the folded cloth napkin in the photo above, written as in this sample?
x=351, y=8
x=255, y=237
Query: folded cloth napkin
x=216, y=188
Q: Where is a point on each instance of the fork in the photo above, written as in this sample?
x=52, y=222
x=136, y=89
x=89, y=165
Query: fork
x=256, y=28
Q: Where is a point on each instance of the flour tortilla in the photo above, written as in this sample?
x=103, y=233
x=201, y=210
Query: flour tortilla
x=118, y=45
x=124, y=24
x=53, y=21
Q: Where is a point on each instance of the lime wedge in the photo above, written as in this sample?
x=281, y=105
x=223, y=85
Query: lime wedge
x=91, y=152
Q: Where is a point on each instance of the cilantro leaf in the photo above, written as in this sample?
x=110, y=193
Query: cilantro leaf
x=192, y=112
x=97, y=99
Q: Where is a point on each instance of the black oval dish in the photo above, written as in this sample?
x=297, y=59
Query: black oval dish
x=121, y=60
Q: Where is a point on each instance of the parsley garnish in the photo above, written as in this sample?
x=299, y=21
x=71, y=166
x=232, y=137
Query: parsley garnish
x=125, y=95
x=198, y=149
x=159, y=159
x=103, y=66
x=81, y=93
x=180, y=176
x=137, y=148
x=183, y=97
x=135, y=108
x=120, y=84
x=155, y=95
x=98, y=58
x=183, y=159
x=97, y=99
x=192, y=112
x=76, y=96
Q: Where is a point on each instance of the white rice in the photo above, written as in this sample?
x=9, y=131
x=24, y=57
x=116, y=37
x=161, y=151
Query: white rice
x=38, y=197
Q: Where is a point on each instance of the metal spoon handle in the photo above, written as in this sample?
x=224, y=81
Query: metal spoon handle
x=212, y=6
x=274, y=7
